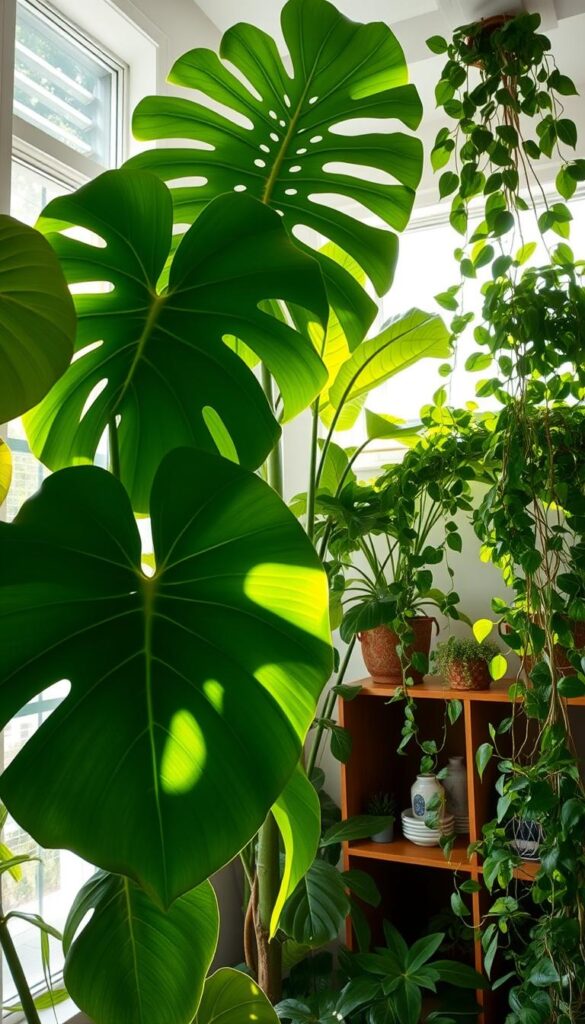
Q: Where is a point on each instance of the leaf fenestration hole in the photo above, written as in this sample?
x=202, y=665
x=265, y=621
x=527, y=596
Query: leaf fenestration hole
x=93, y=396
x=260, y=163
x=295, y=169
x=291, y=191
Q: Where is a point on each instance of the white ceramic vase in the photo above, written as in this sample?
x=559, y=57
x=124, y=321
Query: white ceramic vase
x=455, y=784
x=422, y=791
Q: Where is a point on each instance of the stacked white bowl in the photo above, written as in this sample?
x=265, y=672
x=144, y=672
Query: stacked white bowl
x=416, y=831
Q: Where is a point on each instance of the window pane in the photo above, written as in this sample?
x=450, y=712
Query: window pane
x=62, y=87
x=31, y=191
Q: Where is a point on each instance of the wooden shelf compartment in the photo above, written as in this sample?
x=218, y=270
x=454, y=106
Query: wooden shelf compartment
x=403, y=851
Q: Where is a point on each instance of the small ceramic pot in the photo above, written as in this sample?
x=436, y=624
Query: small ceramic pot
x=469, y=674
x=379, y=650
x=385, y=836
x=455, y=786
x=422, y=791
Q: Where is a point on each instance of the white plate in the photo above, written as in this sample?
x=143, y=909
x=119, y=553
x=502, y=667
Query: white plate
x=423, y=842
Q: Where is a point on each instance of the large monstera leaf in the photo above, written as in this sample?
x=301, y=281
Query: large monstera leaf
x=37, y=318
x=280, y=141
x=231, y=997
x=133, y=963
x=191, y=690
x=152, y=358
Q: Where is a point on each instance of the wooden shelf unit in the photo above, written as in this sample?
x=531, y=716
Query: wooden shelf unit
x=416, y=881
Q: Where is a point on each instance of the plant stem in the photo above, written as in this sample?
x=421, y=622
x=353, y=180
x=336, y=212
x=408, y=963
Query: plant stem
x=312, y=488
x=17, y=973
x=114, y=448
x=328, y=706
x=274, y=460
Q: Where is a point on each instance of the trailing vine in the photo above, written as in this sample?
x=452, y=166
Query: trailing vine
x=503, y=94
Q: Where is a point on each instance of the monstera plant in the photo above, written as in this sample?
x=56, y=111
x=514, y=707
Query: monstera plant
x=195, y=670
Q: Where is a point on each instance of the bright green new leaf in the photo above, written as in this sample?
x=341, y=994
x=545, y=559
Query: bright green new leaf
x=133, y=963
x=193, y=688
x=498, y=667
x=37, y=318
x=482, y=629
x=277, y=140
x=154, y=359
x=5, y=470
x=231, y=997
x=483, y=755
x=379, y=425
x=404, y=340
x=298, y=816
x=315, y=912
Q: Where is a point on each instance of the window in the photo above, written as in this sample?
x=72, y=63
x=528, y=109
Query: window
x=68, y=112
x=426, y=266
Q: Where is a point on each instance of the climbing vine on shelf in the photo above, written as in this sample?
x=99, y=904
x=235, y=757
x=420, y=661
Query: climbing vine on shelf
x=504, y=97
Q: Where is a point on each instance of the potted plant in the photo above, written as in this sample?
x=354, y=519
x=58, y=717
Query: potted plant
x=384, y=805
x=464, y=662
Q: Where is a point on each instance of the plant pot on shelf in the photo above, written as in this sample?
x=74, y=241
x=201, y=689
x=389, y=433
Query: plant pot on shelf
x=526, y=837
x=471, y=674
x=385, y=836
x=379, y=649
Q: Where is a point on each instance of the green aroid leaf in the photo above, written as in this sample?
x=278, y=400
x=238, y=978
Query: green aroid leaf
x=133, y=963
x=279, y=138
x=193, y=689
x=150, y=350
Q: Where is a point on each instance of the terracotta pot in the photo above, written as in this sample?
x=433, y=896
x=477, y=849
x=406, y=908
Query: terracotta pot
x=469, y=674
x=380, y=655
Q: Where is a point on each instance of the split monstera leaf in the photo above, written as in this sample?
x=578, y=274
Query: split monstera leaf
x=282, y=138
x=193, y=689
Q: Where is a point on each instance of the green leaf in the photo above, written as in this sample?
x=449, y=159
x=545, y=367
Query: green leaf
x=571, y=686
x=210, y=668
x=362, y=885
x=37, y=319
x=402, y=343
x=453, y=972
x=478, y=361
x=378, y=425
x=152, y=963
x=5, y=470
x=407, y=1002
x=298, y=816
x=459, y=906
x=317, y=908
x=232, y=997
x=454, y=709
x=437, y=44
x=482, y=629
x=482, y=757
x=498, y=667
x=448, y=182
x=280, y=140
x=341, y=743
x=360, y=826
x=544, y=973
x=160, y=349
x=422, y=950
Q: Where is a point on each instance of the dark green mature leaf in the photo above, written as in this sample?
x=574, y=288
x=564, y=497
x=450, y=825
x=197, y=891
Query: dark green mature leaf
x=460, y=974
x=482, y=756
x=232, y=997
x=37, y=318
x=133, y=963
x=155, y=356
x=315, y=912
x=193, y=688
x=279, y=142
x=360, y=826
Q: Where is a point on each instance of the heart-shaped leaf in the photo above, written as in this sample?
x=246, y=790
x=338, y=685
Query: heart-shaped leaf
x=37, y=318
x=280, y=139
x=133, y=963
x=315, y=912
x=193, y=689
x=298, y=816
x=152, y=357
x=231, y=997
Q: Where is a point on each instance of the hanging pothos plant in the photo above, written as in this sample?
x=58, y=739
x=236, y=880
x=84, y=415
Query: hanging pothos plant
x=504, y=96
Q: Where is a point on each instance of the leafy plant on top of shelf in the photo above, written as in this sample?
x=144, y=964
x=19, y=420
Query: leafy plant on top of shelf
x=504, y=95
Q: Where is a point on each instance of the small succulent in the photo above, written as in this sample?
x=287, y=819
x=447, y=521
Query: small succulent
x=383, y=805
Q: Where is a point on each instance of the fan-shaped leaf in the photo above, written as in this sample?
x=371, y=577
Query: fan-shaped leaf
x=133, y=963
x=193, y=688
x=298, y=816
x=279, y=140
x=232, y=997
x=37, y=318
x=155, y=359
